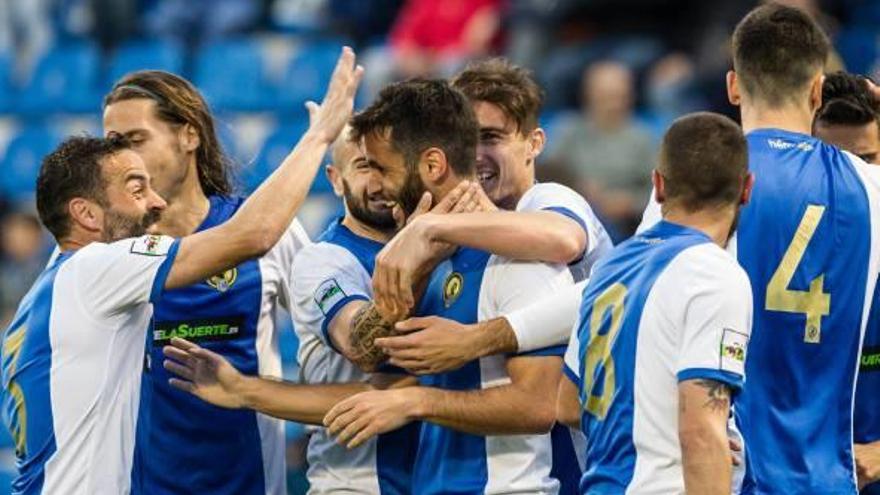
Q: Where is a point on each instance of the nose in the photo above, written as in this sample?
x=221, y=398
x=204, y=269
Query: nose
x=155, y=202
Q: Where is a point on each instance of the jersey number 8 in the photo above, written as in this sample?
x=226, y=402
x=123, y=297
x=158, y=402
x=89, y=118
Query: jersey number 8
x=599, y=350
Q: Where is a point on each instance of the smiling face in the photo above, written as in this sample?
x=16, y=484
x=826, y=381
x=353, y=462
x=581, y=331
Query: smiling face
x=405, y=179
x=369, y=192
x=505, y=156
x=130, y=204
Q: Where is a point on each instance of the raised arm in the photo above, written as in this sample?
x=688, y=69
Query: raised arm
x=704, y=406
x=264, y=217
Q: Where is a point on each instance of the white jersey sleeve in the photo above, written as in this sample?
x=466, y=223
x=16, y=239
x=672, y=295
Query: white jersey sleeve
x=113, y=277
x=572, y=359
x=509, y=285
x=548, y=321
x=717, y=314
x=549, y=196
x=326, y=277
x=280, y=260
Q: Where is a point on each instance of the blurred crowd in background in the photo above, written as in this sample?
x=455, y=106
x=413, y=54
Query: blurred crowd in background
x=615, y=72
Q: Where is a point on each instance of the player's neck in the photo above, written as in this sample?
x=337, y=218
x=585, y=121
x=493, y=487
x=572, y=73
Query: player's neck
x=363, y=230
x=714, y=223
x=792, y=118
x=187, y=209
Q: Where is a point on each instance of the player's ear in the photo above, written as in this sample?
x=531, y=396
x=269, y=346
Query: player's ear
x=748, y=184
x=433, y=166
x=659, y=187
x=335, y=178
x=189, y=138
x=733, y=95
x=816, y=92
x=537, y=140
x=87, y=214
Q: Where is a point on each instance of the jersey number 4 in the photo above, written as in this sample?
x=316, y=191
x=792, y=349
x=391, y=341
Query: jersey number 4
x=599, y=350
x=815, y=302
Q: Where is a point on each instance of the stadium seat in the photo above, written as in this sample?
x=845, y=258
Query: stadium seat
x=308, y=74
x=231, y=75
x=21, y=164
x=145, y=54
x=276, y=147
x=65, y=80
x=6, y=89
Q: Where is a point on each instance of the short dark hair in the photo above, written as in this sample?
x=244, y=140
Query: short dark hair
x=505, y=85
x=423, y=113
x=776, y=52
x=703, y=160
x=846, y=100
x=178, y=102
x=73, y=170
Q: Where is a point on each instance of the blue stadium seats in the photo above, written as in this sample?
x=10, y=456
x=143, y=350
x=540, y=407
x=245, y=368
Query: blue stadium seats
x=21, y=163
x=64, y=80
x=276, y=147
x=230, y=73
x=308, y=74
x=6, y=90
x=145, y=54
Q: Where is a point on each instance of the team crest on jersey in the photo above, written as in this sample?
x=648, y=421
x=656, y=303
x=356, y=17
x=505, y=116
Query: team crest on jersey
x=452, y=288
x=223, y=282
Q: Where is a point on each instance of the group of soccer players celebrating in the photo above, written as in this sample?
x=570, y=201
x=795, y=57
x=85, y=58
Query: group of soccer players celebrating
x=463, y=328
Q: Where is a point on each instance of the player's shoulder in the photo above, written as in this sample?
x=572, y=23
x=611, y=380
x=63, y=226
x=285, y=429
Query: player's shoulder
x=145, y=245
x=321, y=258
x=868, y=173
x=708, y=266
x=545, y=194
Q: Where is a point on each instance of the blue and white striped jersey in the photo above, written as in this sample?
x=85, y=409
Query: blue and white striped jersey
x=216, y=450
x=71, y=366
x=327, y=275
x=474, y=286
x=665, y=306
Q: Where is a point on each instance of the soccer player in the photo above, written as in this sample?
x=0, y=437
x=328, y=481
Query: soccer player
x=660, y=345
x=72, y=358
x=808, y=242
x=331, y=283
x=850, y=119
x=231, y=312
x=548, y=222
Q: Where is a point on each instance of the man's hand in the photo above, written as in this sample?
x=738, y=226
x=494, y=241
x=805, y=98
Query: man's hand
x=203, y=373
x=367, y=414
x=432, y=345
x=327, y=119
x=867, y=462
x=411, y=254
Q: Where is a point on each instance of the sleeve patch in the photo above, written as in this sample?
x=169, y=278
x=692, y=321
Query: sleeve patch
x=733, y=350
x=328, y=294
x=151, y=245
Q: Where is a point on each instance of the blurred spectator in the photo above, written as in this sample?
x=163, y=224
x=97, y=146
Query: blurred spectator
x=431, y=38
x=24, y=257
x=26, y=31
x=202, y=21
x=610, y=156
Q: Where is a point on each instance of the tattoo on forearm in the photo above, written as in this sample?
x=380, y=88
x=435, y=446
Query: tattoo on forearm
x=368, y=325
x=719, y=395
